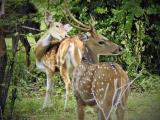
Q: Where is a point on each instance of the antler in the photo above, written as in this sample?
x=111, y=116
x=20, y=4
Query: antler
x=76, y=26
x=79, y=25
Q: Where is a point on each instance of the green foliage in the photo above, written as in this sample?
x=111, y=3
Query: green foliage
x=150, y=82
x=100, y=10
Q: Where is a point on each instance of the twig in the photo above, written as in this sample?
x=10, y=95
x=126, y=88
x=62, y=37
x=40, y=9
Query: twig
x=128, y=84
x=28, y=72
x=30, y=28
x=127, y=87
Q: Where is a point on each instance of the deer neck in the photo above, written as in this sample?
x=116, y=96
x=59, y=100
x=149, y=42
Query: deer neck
x=89, y=57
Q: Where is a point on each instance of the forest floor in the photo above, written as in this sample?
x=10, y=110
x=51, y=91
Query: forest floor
x=140, y=107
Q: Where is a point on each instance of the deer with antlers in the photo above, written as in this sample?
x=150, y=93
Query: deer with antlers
x=105, y=85
x=68, y=53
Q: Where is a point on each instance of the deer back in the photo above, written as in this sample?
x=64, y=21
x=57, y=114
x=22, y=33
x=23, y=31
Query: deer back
x=70, y=52
x=95, y=83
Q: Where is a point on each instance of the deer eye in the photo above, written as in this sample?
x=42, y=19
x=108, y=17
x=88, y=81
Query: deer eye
x=101, y=42
x=57, y=26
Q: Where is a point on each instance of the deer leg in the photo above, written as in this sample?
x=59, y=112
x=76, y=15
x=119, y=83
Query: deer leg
x=104, y=106
x=104, y=109
x=65, y=75
x=106, y=112
x=121, y=107
x=100, y=115
x=47, y=101
x=120, y=112
x=80, y=108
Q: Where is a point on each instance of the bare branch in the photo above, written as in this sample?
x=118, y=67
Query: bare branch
x=30, y=28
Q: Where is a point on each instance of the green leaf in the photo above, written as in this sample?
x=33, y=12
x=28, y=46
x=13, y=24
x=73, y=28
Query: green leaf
x=101, y=10
x=129, y=22
x=138, y=11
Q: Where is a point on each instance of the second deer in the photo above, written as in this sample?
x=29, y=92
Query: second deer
x=102, y=84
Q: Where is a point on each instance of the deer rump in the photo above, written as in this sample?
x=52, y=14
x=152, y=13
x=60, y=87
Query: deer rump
x=70, y=51
x=100, y=84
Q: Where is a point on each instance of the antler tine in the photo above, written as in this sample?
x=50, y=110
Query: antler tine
x=73, y=18
x=93, y=22
x=76, y=26
x=104, y=37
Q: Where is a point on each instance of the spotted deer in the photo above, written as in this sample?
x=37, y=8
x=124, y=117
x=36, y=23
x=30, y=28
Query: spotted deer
x=68, y=53
x=45, y=51
x=102, y=84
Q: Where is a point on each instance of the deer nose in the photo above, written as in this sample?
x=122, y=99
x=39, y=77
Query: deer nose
x=118, y=50
x=66, y=35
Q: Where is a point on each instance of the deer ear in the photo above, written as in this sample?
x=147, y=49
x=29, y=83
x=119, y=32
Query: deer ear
x=68, y=27
x=48, y=17
x=85, y=37
x=88, y=34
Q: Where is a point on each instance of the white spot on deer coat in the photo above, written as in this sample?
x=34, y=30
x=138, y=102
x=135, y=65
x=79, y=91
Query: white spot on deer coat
x=102, y=83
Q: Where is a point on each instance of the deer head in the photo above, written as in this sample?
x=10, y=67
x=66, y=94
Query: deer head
x=96, y=43
x=56, y=29
x=102, y=84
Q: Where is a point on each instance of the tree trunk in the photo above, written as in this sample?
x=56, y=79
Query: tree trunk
x=3, y=64
x=27, y=46
x=2, y=11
